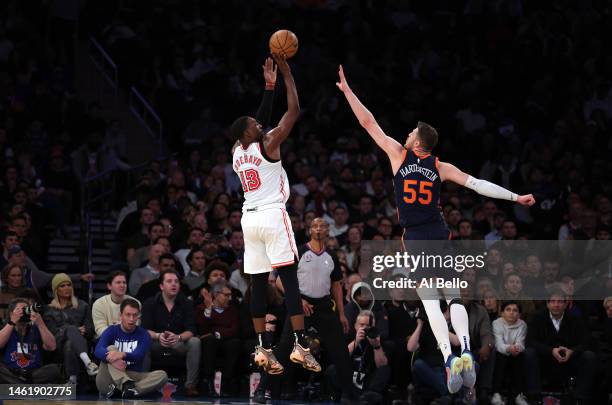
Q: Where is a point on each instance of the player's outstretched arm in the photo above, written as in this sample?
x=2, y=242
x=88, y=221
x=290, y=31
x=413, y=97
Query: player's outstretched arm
x=264, y=111
x=482, y=187
x=366, y=119
x=275, y=137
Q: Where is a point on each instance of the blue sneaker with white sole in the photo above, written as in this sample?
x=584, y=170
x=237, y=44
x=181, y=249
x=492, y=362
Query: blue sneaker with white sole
x=468, y=374
x=454, y=367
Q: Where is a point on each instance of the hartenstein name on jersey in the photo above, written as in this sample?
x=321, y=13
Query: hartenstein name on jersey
x=414, y=168
x=244, y=159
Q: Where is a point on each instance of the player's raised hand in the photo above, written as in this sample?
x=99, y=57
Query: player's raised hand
x=269, y=71
x=282, y=64
x=342, y=84
x=526, y=200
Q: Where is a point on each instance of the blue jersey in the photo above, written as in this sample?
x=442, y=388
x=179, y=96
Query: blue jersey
x=417, y=191
x=23, y=353
x=135, y=345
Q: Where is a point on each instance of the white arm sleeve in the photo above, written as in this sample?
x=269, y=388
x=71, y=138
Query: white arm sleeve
x=489, y=189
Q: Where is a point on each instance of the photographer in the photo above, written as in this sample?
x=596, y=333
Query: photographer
x=22, y=338
x=371, y=372
x=362, y=298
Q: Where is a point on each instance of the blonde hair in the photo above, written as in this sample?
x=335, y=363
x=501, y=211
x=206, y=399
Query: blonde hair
x=606, y=300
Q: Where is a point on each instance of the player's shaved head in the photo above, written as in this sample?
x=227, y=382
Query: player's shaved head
x=238, y=127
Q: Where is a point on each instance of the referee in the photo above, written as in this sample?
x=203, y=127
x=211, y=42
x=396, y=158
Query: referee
x=319, y=277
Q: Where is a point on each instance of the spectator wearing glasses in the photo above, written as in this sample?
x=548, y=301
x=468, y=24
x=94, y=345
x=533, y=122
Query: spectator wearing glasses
x=218, y=327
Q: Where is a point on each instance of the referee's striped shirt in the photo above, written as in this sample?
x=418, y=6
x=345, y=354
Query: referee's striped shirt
x=316, y=271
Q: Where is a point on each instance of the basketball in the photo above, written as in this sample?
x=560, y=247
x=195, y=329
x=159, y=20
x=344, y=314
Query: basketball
x=284, y=42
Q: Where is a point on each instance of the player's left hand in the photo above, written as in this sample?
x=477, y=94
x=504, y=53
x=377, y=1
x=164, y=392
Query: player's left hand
x=342, y=84
x=526, y=200
x=269, y=71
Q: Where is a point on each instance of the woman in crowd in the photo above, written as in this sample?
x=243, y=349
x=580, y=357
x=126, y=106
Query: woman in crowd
x=69, y=319
x=12, y=284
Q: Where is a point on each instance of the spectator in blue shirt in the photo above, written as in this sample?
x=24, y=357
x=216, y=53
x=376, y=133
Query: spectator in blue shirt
x=121, y=350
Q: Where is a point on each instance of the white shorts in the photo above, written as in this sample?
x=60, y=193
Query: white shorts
x=268, y=240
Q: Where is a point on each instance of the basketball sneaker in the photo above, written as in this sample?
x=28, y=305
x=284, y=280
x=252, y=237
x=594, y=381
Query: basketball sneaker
x=468, y=374
x=303, y=356
x=266, y=359
x=454, y=366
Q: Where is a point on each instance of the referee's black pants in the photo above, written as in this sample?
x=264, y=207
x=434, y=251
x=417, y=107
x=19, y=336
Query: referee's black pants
x=327, y=322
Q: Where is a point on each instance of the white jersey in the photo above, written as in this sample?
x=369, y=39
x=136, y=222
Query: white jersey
x=264, y=183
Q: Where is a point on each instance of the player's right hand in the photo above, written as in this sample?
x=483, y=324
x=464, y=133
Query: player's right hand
x=282, y=64
x=342, y=84
x=527, y=199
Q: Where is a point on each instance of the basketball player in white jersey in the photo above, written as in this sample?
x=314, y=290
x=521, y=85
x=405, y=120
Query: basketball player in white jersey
x=268, y=237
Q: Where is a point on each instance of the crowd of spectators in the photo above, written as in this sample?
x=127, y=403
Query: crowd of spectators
x=519, y=91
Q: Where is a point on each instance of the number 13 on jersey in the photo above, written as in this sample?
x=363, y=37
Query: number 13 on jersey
x=422, y=193
x=250, y=180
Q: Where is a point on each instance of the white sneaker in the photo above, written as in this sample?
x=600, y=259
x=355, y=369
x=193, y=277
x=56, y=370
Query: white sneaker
x=496, y=399
x=521, y=400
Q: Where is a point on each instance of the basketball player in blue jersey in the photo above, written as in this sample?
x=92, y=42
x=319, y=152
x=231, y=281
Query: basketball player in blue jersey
x=417, y=178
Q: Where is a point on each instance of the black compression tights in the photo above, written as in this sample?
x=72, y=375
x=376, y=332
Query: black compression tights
x=288, y=275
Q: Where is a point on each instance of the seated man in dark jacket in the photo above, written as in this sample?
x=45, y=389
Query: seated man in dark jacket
x=218, y=327
x=170, y=319
x=558, y=343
